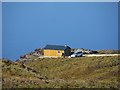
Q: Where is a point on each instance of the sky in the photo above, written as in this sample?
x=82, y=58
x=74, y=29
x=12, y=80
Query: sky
x=27, y=26
x=0, y=30
x=60, y=0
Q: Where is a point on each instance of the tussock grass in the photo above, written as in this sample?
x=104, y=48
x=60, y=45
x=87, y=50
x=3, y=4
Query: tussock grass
x=83, y=72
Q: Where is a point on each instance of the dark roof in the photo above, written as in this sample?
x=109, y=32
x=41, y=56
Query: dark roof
x=56, y=47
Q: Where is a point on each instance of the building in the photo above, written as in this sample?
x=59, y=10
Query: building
x=56, y=50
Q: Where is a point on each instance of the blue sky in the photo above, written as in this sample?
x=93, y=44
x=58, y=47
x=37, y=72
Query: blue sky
x=27, y=26
x=0, y=30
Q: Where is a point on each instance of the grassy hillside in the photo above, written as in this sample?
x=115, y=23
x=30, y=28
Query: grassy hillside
x=83, y=72
x=108, y=51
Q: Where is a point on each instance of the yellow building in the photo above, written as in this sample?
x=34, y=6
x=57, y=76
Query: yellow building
x=56, y=51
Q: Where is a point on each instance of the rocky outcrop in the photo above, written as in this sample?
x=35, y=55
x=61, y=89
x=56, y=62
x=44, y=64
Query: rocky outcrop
x=36, y=53
x=85, y=51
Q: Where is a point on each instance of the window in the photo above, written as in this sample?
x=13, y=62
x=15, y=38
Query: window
x=78, y=52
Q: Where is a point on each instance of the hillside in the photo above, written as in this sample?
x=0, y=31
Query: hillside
x=39, y=52
x=83, y=72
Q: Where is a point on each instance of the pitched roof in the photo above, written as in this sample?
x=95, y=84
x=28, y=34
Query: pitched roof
x=56, y=47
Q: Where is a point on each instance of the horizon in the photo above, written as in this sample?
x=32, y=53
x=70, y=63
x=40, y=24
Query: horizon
x=28, y=26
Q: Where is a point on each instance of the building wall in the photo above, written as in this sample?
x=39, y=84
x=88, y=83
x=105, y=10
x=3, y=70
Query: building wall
x=67, y=52
x=57, y=53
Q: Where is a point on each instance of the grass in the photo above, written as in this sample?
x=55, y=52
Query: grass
x=108, y=51
x=83, y=72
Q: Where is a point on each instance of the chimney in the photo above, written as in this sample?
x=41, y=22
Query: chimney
x=65, y=45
